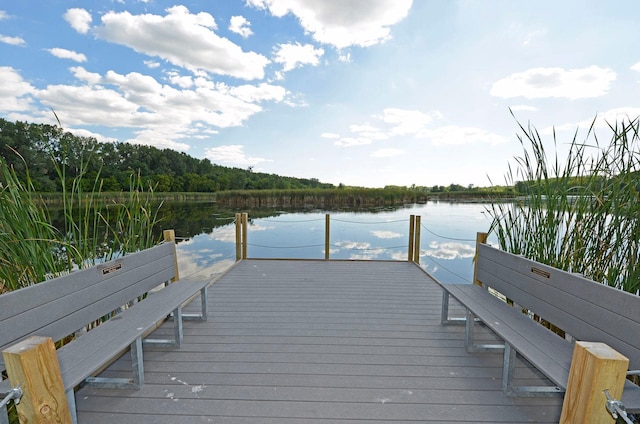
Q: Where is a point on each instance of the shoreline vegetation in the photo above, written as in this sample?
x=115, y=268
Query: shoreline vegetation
x=578, y=213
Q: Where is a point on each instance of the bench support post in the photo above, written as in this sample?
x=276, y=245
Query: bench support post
x=34, y=366
x=469, y=337
x=137, y=368
x=595, y=367
x=202, y=316
x=508, y=375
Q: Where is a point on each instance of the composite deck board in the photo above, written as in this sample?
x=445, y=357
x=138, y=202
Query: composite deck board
x=319, y=342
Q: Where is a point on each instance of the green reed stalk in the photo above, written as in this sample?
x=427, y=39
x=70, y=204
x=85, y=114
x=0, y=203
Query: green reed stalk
x=32, y=249
x=581, y=213
x=29, y=249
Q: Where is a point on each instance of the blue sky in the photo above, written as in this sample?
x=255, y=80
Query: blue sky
x=359, y=92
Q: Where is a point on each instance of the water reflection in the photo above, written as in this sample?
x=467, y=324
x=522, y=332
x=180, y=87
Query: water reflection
x=448, y=231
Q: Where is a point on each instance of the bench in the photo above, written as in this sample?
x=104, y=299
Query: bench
x=135, y=291
x=584, y=309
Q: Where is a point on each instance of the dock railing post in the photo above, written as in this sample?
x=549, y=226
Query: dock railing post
x=245, y=220
x=416, y=242
x=170, y=237
x=327, y=236
x=412, y=223
x=33, y=365
x=238, y=222
x=481, y=238
x=595, y=367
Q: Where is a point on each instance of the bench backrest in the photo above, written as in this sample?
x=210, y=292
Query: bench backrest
x=59, y=307
x=585, y=309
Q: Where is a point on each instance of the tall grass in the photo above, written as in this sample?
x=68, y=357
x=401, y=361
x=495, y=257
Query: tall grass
x=580, y=213
x=33, y=250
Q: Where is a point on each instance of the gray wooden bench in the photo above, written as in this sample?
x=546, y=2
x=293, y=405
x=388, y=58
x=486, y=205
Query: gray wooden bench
x=584, y=309
x=134, y=291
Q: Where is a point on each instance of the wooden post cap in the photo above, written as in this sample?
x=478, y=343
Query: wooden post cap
x=595, y=367
x=34, y=366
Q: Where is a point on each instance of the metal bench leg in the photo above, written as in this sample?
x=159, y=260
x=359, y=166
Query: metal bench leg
x=137, y=363
x=137, y=367
x=71, y=401
x=177, y=326
x=204, y=314
x=469, y=338
x=444, y=313
x=508, y=375
x=177, y=317
x=4, y=415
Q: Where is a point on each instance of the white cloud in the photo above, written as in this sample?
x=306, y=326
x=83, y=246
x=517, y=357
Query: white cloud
x=537, y=83
x=259, y=93
x=184, y=39
x=385, y=234
x=151, y=64
x=14, y=41
x=454, y=136
x=339, y=23
x=449, y=250
x=82, y=74
x=296, y=55
x=387, y=153
x=233, y=155
x=67, y=54
x=15, y=93
x=602, y=120
x=408, y=121
x=636, y=67
x=3, y=15
x=240, y=25
x=368, y=131
x=352, y=141
x=79, y=19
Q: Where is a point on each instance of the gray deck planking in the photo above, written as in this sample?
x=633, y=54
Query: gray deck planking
x=319, y=342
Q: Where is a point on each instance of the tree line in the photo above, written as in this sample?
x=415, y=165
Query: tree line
x=36, y=149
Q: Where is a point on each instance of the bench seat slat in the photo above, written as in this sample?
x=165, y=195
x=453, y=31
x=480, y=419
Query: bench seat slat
x=543, y=349
x=87, y=353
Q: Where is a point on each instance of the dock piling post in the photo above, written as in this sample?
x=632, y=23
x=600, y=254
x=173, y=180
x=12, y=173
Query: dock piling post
x=595, y=367
x=412, y=223
x=327, y=232
x=33, y=365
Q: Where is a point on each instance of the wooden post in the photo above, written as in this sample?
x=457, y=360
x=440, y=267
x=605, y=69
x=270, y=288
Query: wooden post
x=481, y=238
x=412, y=227
x=416, y=242
x=238, y=237
x=245, y=220
x=327, y=232
x=170, y=237
x=594, y=368
x=34, y=366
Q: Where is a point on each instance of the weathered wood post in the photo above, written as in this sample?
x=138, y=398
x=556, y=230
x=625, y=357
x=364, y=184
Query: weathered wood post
x=34, y=366
x=245, y=221
x=416, y=241
x=238, y=236
x=481, y=238
x=412, y=226
x=595, y=367
x=170, y=237
x=327, y=236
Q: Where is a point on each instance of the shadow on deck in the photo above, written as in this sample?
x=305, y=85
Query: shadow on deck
x=298, y=341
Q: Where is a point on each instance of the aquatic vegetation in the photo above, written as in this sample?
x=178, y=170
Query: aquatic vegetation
x=581, y=212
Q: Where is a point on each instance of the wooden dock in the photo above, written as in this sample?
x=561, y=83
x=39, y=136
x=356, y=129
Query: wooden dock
x=301, y=341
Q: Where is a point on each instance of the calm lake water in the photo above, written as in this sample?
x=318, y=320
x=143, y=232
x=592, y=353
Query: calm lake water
x=448, y=230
